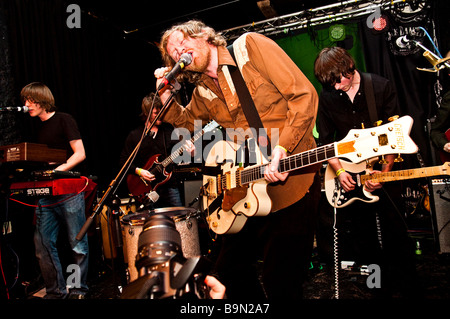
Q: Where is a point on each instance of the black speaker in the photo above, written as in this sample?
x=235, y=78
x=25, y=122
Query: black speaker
x=191, y=192
x=441, y=199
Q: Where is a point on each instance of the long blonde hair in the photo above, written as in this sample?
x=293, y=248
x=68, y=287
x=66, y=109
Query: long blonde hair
x=193, y=29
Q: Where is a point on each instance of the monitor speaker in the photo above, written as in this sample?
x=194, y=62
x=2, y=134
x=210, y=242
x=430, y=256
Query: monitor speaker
x=441, y=198
x=191, y=192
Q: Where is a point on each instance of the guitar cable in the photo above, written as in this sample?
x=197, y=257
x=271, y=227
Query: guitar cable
x=335, y=248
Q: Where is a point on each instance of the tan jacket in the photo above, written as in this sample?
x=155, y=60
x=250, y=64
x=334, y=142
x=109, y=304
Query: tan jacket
x=282, y=94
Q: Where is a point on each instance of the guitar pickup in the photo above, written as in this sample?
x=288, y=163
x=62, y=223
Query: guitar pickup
x=227, y=181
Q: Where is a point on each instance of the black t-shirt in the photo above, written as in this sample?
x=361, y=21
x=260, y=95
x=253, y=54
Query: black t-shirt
x=338, y=114
x=56, y=132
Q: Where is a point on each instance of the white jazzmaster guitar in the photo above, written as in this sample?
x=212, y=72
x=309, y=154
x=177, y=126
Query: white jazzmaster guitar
x=338, y=197
x=232, y=193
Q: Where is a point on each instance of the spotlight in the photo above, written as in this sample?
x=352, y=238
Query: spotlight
x=381, y=23
x=337, y=32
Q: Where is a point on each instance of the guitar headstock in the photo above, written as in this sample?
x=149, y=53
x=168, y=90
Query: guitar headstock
x=210, y=126
x=390, y=138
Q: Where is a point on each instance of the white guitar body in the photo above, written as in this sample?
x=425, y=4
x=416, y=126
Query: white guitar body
x=231, y=193
x=238, y=202
x=337, y=196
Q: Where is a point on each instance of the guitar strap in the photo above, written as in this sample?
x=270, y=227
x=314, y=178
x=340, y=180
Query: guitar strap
x=248, y=106
x=370, y=97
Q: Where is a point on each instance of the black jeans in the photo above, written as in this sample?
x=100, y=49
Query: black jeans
x=270, y=255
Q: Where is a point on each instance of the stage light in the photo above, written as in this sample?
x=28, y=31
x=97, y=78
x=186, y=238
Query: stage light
x=337, y=32
x=380, y=23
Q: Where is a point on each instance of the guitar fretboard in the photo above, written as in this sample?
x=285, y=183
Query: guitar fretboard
x=407, y=174
x=290, y=163
x=180, y=150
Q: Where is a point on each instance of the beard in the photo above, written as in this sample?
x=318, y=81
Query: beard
x=201, y=62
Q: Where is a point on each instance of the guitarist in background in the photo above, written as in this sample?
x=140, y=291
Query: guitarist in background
x=344, y=105
x=284, y=99
x=440, y=128
x=158, y=141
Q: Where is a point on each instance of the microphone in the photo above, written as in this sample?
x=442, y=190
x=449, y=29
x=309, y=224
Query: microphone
x=14, y=109
x=184, y=61
x=152, y=196
x=402, y=42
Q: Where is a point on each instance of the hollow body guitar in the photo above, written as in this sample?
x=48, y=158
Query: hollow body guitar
x=233, y=193
x=338, y=197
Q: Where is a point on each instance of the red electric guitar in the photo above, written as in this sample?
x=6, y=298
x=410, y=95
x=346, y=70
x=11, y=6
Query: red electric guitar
x=138, y=187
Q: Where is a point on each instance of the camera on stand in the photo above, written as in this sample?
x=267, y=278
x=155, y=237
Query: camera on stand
x=164, y=273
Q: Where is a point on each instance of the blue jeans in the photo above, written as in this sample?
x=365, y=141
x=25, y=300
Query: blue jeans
x=168, y=197
x=66, y=214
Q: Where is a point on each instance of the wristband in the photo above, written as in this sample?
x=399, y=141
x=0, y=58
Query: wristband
x=340, y=171
x=139, y=170
x=279, y=146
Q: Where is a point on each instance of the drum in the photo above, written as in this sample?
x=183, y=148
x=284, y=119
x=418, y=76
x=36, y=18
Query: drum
x=128, y=205
x=109, y=238
x=185, y=222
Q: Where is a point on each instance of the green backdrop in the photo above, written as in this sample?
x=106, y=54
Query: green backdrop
x=304, y=47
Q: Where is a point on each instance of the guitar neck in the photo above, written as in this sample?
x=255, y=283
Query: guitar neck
x=406, y=174
x=290, y=163
x=180, y=150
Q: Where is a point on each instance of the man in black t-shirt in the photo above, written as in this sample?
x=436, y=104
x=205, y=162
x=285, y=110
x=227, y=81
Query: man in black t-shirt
x=54, y=213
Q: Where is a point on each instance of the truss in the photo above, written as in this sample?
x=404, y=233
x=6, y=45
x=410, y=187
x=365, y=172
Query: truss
x=311, y=17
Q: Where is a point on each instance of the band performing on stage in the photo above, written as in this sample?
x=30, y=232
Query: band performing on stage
x=305, y=156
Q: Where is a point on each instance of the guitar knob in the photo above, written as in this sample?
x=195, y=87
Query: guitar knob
x=382, y=160
x=214, y=224
x=398, y=159
x=393, y=118
x=377, y=123
x=339, y=202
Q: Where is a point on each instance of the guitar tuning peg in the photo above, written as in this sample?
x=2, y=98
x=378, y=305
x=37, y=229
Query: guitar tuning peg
x=382, y=160
x=393, y=118
x=377, y=123
x=368, y=164
x=398, y=159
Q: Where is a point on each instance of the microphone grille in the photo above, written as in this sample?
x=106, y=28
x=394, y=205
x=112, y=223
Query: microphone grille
x=186, y=58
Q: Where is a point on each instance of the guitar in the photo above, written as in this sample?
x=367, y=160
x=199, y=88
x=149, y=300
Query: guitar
x=138, y=187
x=232, y=193
x=338, y=197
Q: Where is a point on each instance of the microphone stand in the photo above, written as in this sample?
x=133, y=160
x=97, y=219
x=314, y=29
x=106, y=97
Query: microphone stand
x=112, y=188
x=435, y=60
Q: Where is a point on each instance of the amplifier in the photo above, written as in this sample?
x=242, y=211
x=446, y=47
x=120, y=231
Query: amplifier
x=441, y=199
